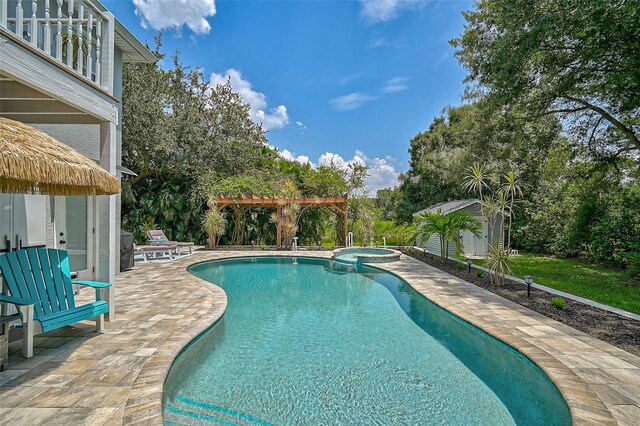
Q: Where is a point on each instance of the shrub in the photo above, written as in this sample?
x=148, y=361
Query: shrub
x=633, y=264
x=460, y=265
x=479, y=273
x=558, y=302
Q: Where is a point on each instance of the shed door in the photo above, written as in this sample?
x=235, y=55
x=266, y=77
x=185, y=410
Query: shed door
x=468, y=240
x=479, y=248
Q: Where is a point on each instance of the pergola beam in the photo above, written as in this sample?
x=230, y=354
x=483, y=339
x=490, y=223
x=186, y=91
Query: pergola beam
x=243, y=203
x=263, y=201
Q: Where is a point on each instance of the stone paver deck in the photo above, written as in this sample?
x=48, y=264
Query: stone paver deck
x=79, y=377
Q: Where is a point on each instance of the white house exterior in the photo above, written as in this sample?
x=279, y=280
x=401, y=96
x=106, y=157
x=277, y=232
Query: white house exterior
x=473, y=246
x=76, y=99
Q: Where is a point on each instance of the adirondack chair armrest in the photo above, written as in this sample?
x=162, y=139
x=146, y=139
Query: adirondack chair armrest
x=18, y=301
x=102, y=289
x=94, y=284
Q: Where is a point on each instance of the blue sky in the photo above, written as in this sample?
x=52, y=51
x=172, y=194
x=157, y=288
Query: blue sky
x=331, y=80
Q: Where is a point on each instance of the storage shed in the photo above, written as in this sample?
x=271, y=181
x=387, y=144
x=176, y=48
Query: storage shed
x=473, y=246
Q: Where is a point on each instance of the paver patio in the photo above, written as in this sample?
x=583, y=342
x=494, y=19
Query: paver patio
x=79, y=377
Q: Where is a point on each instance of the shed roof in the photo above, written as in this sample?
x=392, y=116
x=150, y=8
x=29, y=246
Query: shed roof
x=449, y=206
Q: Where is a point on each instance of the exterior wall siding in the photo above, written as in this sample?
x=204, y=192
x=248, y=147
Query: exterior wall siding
x=433, y=245
x=117, y=92
x=84, y=138
x=495, y=235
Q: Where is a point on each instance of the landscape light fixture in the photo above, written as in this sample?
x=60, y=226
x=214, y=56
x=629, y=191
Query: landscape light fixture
x=469, y=263
x=529, y=280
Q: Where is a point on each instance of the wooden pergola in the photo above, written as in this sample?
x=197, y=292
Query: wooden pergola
x=240, y=205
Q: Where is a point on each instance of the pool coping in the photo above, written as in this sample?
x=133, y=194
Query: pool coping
x=598, y=381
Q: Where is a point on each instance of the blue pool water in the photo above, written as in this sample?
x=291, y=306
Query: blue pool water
x=310, y=341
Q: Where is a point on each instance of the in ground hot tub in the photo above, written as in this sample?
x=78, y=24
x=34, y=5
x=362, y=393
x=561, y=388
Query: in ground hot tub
x=356, y=255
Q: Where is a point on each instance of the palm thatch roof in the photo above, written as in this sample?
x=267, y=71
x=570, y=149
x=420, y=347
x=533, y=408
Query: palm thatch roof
x=32, y=162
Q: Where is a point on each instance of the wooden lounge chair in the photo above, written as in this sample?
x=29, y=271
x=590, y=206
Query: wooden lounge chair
x=39, y=284
x=158, y=235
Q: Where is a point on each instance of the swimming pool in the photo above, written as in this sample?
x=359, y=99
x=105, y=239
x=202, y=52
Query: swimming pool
x=311, y=341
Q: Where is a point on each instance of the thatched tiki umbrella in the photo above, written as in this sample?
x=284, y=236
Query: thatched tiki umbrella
x=32, y=162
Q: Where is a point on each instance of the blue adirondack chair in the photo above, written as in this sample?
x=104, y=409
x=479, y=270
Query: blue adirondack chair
x=39, y=284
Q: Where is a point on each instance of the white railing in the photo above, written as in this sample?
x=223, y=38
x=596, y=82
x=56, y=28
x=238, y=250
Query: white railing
x=71, y=32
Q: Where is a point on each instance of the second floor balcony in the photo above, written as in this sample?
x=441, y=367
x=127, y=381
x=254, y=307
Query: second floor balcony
x=75, y=34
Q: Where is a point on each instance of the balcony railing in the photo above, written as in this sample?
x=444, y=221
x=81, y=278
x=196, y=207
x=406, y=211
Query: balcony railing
x=70, y=32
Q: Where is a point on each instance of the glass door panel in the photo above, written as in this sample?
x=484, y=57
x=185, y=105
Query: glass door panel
x=76, y=218
x=74, y=232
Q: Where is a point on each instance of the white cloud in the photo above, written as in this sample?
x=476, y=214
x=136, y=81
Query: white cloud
x=174, y=14
x=442, y=59
x=376, y=11
x=301, y=127
x=350, y=78
x=289, y=156
x=396, y=84
x=331, y=159
x=276, y=118
x=377, y=42
x=382, y=174
x=355, y=100
x=351, y=101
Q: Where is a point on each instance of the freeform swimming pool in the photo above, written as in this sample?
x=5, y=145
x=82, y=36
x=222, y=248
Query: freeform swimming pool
x=310, y=341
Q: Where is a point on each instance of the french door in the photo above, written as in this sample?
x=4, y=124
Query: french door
x=74, y=232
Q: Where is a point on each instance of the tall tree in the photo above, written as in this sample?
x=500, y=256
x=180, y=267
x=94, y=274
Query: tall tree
x=578, y=59
x=467, y=134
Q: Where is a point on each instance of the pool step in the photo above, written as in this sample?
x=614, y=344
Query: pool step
x=185, y=411
x=346, y=259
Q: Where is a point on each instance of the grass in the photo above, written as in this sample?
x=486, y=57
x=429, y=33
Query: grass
x=609, y=286
x=394, y=234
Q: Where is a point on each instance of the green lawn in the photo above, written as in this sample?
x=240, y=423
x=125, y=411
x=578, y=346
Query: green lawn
x=608, y=286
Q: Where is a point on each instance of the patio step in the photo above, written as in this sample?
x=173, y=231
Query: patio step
x=186, y=411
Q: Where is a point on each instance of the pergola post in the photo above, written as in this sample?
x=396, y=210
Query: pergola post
x=279, y=226
x=236, y=224
x=346, y=222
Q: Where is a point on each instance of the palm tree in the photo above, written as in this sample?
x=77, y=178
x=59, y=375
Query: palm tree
x=459, y=221
x=512, y=187
x=291, y=213
x=214, y=223
x=475, y=181
x=447, y=227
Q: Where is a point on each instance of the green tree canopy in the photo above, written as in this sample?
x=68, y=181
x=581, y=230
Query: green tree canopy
x=578, y=59
x=461, y=136
x=188, y=140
